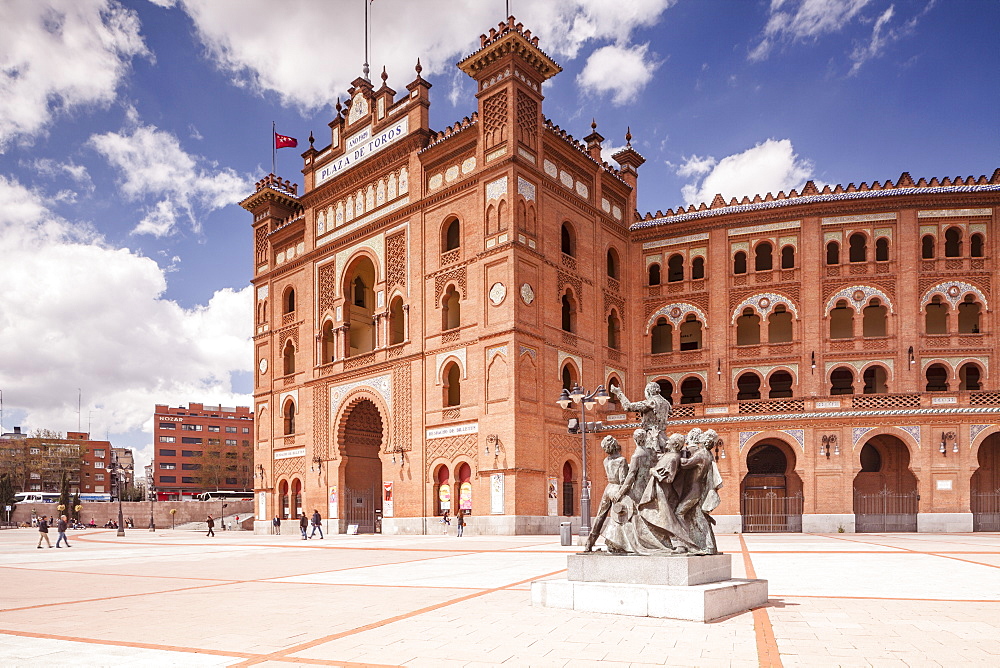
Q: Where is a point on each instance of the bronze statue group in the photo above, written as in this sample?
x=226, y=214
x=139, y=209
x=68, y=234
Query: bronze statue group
x=659, y=501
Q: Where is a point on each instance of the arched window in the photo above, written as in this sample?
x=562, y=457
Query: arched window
x=675, y=269
x=283, y=499
x=568, y=495
x=842, y=381
x=762, y=257
x=953, y=242
x=452, y=385
x=666, y=389
x=858, y=251
x=654, y=274
x=288, y=301
x=976, y=245
x=451, y=309
x=779, y=325
x=927, y=247
x=288, y=357
x=662, y=337
x=327, y=338
x=397, y=324
x=691, y=390
x=936, y=317
x=288, y=417
x=568, y=376
x=614, y=330
x=360, y=298
x=452, y=235
x=748, y=386
x=968, y=378
x=740, y=263
x=698, y=268
x=567, y=242
x=788, y=257
x=875, y=377
x=613, y=381
x=691, y=333
x=873, y=320
x=780, y=384
x=359, y=281
x=613, y=263
x=968, y=315
x=937, y=378
x=748, y=328
x=568, y=312
x=442, y=493
x=833, y=253
x=842, y=321
x=881, y=249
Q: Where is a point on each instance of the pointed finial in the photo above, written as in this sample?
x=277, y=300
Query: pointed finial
x=628, y=137
x=385, y=76
x=365, y=70
x=418, y=68
x=593, y=124
x=311, y=139
x=339, y=106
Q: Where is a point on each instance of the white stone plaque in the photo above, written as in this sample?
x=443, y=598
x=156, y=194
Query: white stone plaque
x=497, y=293
x=527, y=294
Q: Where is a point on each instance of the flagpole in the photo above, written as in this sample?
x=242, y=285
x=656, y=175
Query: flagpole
x=365, y=69
x=273, y=149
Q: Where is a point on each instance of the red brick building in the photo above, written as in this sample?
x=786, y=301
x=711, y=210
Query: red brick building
x=36, y=463
x=423, y=301
x=201, y=448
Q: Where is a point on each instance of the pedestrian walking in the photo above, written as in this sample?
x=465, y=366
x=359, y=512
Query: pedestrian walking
x=460, y=524
x=211, y=526
x=303, y=524
x=276, y=526
x=446, y=521
x=43, y=532
x=317, y=524
x=61, y=528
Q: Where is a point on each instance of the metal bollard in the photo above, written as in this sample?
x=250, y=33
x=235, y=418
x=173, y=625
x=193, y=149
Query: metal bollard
x=565, y=533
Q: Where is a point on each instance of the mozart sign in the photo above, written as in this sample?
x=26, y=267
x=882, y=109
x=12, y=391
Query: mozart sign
x=361, y=146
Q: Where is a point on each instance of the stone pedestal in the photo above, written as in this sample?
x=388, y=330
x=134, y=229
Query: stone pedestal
x=677, y=587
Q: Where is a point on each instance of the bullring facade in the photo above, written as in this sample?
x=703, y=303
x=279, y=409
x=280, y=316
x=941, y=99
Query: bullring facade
x=421, y=304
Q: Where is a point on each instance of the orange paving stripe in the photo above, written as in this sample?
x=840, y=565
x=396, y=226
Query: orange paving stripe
x=112, y=598
x=893, y=598
x=282, y=654
x=767, y=645
x=943, y=555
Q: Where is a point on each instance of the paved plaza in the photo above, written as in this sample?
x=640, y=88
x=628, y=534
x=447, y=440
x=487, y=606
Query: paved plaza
x=178, y=598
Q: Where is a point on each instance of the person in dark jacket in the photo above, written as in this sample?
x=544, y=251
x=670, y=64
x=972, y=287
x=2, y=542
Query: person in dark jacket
x=317, y=524
x=303, y=525
x=211, y=526
x=276, y=525
x=460, y=522
x=61, y=527
x=43, y=532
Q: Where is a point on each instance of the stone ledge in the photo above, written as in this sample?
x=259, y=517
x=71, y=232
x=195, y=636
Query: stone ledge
x=699, y=603
x=675, y=570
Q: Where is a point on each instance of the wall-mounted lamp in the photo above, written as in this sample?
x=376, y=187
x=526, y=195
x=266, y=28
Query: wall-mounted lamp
x=910, y=354
x=718, y=368
x=493, y=440
x=260, y=472
x=945, y=437
x=829, y=445
x=317, y=463
x=720, y=450
x=402, y=456
x=814, y=361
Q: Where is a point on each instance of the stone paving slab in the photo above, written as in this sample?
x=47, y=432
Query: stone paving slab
x=181, y=599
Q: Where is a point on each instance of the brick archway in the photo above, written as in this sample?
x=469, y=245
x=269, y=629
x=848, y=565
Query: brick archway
x=360, y=437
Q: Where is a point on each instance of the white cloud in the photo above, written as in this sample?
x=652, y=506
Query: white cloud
x=76, y=313
x=436, y=31
x=621, y=70
x=884, y=34
x=802, y=20
x=152, y=163
x=60, y=55
x=769, y=166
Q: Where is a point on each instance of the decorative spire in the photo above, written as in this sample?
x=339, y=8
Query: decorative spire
x=311, y=139
x=418, y=68
x=593, y=124
x=628, y=137
x=385, y=76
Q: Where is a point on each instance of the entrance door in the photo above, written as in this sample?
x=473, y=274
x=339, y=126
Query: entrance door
x=771, y=499
x=986, y=487
x=363, y=468
x=885, y=490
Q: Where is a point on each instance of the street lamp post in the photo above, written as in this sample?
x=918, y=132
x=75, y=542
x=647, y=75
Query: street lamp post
x=587, y=402
x=152, y=498
x=117, y=471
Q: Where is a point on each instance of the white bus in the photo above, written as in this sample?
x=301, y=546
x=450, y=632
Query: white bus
x=36, y=497
x=225, y=495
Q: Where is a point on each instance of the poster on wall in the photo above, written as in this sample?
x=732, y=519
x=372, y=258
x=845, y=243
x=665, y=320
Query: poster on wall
x=553, y=496
x=465, y=496
x=332, y=510
x=261, y=506
x=496, y=493
x=444, y=497
x=386, y=498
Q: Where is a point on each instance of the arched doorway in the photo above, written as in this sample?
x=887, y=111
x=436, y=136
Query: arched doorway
x=362, y=444
x=568, y=494
x=885, y=489
x=771, y=491
x=986, y=487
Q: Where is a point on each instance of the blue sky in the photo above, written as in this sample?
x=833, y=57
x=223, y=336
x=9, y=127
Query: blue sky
x=129, y=130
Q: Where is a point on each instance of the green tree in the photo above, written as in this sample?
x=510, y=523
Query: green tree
x=64, y=490
x=6, y=490
x=76, y=504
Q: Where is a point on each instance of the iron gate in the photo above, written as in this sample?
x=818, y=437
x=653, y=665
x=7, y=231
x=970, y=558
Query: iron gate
x=361, y=508
x=986, y=511
x=766, y=512
x=885, y=511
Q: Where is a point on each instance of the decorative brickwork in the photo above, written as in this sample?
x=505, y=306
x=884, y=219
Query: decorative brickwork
x=321, y=420
x=395, y=261
x=402, y=422
x=260, y=245
x=495, y=119
x=456, y=276
x=452, y=447
x=527, y=119
x=326, y=286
